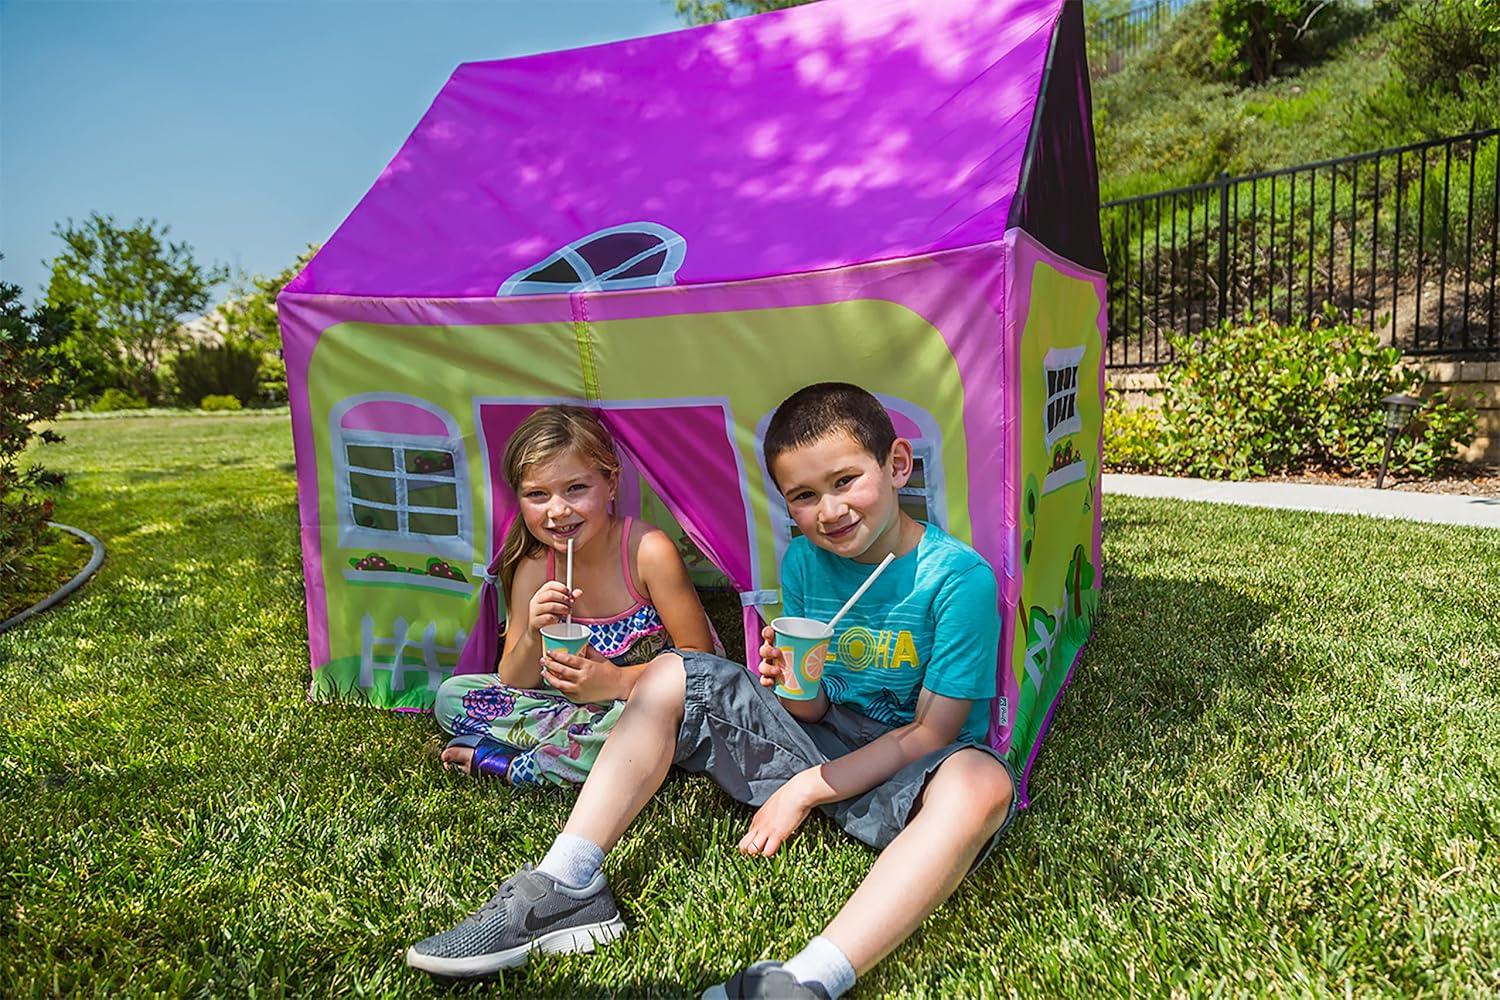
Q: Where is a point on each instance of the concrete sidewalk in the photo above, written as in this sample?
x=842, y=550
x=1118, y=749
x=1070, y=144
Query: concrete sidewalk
x=1436, y=508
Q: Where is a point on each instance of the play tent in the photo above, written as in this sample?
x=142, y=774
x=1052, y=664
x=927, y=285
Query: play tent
x=680, y=231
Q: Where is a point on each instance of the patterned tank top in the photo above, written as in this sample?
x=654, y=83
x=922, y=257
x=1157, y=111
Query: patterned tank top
x=634, y=636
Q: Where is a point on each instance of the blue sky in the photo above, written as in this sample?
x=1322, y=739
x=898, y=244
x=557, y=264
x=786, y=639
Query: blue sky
x=251, y=128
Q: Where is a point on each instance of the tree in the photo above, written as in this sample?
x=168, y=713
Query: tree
x=35, y=380
x=708, y=11
x=248, y=315
x=129, y=290
x=247, y=321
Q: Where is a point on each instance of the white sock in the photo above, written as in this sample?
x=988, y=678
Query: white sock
x=823, y=963
x=572, y=860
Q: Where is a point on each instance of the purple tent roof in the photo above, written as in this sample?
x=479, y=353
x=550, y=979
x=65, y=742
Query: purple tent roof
x=840, y=132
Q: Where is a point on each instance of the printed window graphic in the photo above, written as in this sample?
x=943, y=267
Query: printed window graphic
x=915, y=497
x=1061, y=417
x=402, y=491
x=636, y=255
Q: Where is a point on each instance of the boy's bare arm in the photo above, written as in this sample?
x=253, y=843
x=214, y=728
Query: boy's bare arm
x=937, y=723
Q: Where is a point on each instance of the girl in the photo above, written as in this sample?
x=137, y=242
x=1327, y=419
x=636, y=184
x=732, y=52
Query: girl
x=543, y=720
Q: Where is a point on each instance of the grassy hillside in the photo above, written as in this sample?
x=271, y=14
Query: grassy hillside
x=1172, y=117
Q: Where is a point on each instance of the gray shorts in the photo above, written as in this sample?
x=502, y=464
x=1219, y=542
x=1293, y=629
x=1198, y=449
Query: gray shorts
x=736, y=731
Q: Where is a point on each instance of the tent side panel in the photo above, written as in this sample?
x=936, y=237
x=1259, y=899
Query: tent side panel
x=401, y=407
x=1058, y=198
x=1057, y=325
x=392, y=479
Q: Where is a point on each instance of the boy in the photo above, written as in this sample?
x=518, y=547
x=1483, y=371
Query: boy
x=892, y=748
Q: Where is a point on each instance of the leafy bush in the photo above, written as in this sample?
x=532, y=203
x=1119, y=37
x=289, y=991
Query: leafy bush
x=272, y=379
x=219, y=403
x=1262, y=398
x=117, y=399
x=35, y=379
x=1445, y=54
x=1445, y=44
x=227, y=369
x=1134, y=437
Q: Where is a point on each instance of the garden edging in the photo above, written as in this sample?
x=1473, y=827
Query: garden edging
x=66, y=589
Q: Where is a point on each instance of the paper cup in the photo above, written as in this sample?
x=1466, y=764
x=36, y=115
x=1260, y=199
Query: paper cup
x=803, y=644
x=570, y=637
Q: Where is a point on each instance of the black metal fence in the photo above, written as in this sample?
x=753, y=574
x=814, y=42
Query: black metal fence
x=1113, y=40
x=1401, y=239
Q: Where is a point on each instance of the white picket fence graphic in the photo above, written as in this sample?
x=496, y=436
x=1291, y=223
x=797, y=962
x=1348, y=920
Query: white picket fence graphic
x=1039, y=653
x=400, y=642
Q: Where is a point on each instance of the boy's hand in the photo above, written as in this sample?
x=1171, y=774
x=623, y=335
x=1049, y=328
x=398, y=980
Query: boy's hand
x=770, y=658
x=550, y=604
x=783, y=812
x=587, y=679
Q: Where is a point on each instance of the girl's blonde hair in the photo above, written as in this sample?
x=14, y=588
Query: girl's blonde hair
x=547, y=433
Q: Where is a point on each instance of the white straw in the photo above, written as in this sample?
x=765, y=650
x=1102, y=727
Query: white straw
x=570, y=582
x=890, y=557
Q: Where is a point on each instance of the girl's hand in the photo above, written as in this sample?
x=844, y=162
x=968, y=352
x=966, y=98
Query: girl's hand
x=771, y=666
x=783, y=812
x=550, y=604
x=588, y=679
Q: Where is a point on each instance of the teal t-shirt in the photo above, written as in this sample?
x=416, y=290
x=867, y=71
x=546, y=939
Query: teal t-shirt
x=931, y=620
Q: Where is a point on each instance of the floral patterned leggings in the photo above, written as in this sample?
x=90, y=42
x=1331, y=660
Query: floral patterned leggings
x=557, y=740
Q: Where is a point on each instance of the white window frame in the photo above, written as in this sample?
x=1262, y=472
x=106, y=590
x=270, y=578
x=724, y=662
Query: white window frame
x=674, y=244
x=922, y=451
x=352, y=535
x=1058, y=361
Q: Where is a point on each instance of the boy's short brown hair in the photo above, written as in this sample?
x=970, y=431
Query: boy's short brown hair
x=815, y=411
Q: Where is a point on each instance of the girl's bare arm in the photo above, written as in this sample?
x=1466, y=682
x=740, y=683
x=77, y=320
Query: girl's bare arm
x=521, y=662
x=669, y=588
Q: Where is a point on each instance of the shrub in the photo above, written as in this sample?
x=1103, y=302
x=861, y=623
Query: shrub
x=272, y=379
x=1445, y=44
x=35, y=378
x=219, y=403
x=1445, y=53
x=227, y=369
x=1262, y=398
x=1134, y=437
x=117, y=399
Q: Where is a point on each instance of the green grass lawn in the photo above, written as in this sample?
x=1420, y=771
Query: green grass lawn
x=1276, y=772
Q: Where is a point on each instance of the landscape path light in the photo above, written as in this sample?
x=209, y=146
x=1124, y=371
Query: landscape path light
x=1398, y=410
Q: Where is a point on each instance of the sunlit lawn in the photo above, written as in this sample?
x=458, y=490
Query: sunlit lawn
x=1276, y=771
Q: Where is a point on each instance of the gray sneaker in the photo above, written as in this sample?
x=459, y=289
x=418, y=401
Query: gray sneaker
x=531, y=911
x=765, y=981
